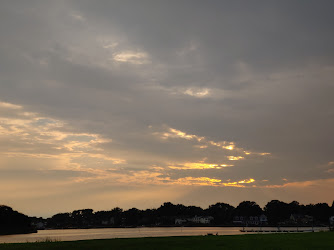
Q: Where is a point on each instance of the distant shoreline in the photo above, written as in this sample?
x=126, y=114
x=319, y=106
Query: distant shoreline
x=15, y=233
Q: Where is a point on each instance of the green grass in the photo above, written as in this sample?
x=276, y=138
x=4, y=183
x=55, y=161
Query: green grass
x=322, y=240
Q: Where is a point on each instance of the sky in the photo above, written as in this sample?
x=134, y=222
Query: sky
x=127, y=104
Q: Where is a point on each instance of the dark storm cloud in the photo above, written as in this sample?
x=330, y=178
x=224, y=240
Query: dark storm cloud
x=265, y=33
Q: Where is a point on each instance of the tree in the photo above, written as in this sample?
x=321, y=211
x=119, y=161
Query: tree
x=117, y=214
x=167, y=209
x=83, y=217
x=132, y=217
x=168, y=212
x=221, y=212
x=190, y=211
x=295, y=208
x=321, y=212
x=277, y=211
x=149, y=217
x=13, y=222
x=61, y=220
x=248, y=208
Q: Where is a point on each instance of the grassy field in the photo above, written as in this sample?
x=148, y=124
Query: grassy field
x=322, y=240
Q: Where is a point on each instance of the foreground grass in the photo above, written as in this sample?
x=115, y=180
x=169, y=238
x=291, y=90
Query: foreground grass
x=322, y=240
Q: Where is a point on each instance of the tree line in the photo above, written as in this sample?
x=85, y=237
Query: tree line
x=277, y=212
x=221, y=214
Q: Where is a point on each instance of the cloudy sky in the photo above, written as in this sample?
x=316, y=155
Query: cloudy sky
x=135, y=103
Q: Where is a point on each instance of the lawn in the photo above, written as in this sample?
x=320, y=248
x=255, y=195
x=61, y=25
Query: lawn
x=322, y=240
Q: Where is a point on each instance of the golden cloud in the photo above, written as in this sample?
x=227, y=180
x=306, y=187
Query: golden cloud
x=199, y=93
x=29, y=135
x=131, y=57
x=173, y=133
x=206, y=181
x=235, y=158
x=199, y=165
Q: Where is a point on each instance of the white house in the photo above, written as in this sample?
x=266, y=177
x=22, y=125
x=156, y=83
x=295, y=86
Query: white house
x=205, y=219
x=251, y=220
x=263, y=219
x=196, y=219
x=331, y=220
x=299, y=218
x=201, y=219
x=239, y=219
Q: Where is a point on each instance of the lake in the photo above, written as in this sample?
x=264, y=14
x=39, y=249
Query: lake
x=108, y=233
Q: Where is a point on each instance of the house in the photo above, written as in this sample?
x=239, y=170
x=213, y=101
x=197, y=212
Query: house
x=239, y=219
x=308, y=218
x=263, y=219
x=331, y=220
x=206, y=219
x=196, y=220
x=299, y=218
x=39, y=225
x=201, y=219
x=252, y=220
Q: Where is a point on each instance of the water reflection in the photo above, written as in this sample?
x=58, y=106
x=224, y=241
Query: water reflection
x=107, y=233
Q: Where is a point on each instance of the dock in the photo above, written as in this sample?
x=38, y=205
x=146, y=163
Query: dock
x=276, y=231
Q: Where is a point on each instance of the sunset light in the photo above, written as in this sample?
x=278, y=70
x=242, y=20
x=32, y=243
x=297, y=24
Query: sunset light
x=145, y=105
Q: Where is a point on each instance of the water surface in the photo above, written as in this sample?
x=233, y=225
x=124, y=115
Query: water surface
x=108, y=233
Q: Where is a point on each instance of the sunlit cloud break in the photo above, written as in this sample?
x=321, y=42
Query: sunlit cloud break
x=131, y=57
x=206, y=181
x=199, y=93
x=235, y=158
x=173, y=133
x=199, y=165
